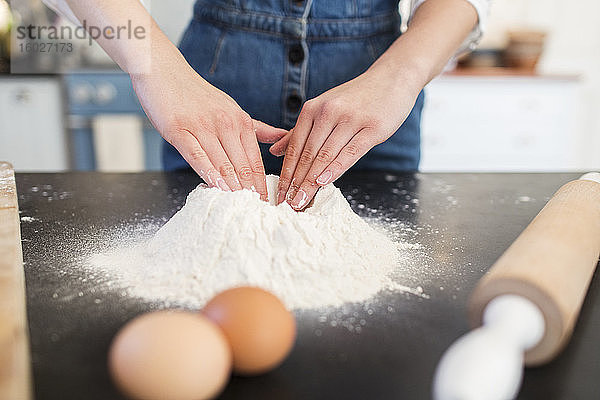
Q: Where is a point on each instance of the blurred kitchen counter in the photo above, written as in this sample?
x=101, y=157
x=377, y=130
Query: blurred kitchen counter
x=475, y=119
x=505, y=71
x=502, y=119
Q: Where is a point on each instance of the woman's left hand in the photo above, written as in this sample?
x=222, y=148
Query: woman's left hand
x=337, y=128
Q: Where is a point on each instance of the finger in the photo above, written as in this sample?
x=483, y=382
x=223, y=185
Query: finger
x=357, y=147
x=292, y=153
x=266, y=133
x=250, y=145
x=189, y=147
x=218, y=157
x=232, y=144
x=321, y=132
x=339, y=138
x=278, y=149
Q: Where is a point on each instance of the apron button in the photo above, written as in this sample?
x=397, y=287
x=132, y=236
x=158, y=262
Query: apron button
x=293, y=102
x=296, y=54
x=298, y=3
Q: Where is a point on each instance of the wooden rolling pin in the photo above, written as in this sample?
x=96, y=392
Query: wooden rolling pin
x=551, y=264
x=524, y=309
x=15, y=368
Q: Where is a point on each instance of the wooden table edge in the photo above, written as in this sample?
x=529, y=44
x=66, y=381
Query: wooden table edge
x=15, y=360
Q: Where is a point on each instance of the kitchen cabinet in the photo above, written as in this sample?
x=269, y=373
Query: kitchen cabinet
x=502, y=123
x=470, y=123
x=32, y=135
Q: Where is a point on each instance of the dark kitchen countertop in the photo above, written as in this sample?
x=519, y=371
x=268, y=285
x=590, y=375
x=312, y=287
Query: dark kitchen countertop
x=463, y=222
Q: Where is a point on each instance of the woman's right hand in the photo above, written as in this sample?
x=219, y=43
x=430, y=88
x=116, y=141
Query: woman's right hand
x=210, y=130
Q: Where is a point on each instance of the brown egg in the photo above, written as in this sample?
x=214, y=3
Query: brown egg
x=260, y=330
x=171, y=355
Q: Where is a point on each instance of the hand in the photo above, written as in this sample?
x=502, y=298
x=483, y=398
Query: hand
x=210, y=130
x=335, y=129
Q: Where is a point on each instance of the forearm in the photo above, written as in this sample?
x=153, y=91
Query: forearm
x=210, y=130
x=436, y=31
x=135, y=52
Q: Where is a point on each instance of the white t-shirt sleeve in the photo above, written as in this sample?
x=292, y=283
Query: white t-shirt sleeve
x=482, y=7
x=61, y=7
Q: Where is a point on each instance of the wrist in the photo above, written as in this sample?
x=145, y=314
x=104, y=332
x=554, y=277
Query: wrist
x=161, y=58
x=401, y=74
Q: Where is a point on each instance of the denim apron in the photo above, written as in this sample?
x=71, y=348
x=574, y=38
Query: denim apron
x=272, y=55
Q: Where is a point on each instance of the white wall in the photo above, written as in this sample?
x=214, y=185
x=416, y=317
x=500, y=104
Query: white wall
x=573, y=47
x=172, y=16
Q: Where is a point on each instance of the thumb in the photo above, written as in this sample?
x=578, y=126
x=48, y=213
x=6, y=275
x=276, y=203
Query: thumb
x=266, y=133
x=278, y=149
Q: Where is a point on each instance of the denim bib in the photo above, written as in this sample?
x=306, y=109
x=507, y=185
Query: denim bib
x=273, y=55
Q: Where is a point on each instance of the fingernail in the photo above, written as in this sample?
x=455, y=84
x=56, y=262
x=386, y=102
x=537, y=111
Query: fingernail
x=222, y=185
x=209, y=179
x=300, y=200
x=290, y=195
x=276, y=153
x=325, y=177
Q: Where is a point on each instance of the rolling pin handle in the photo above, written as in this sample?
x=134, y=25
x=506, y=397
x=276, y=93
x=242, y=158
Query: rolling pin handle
x=516, y=319
x=591, y=176
x=487, y=363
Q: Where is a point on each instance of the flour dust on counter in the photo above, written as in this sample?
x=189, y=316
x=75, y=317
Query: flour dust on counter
x=326, y=256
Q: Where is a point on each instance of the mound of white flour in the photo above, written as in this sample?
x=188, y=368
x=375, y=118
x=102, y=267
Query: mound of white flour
x=325, y=256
